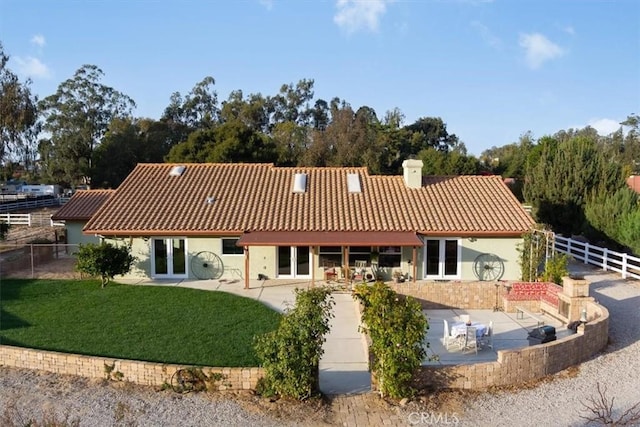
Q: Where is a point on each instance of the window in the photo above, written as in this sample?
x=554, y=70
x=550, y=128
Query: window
x=330, y=256
x=359, y=253
x=229, y=247
x=390, y=256
x=442, y=259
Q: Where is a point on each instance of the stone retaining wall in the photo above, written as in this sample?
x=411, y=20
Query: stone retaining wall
x=452, y=294
x=137, y=372
x=527, y=363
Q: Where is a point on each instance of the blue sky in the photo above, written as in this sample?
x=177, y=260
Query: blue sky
x=491, y=69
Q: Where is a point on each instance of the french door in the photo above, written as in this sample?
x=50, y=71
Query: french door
x=294, y=261
x=169, y=258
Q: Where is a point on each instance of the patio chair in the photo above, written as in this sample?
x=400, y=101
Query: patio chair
x=487, y=338
x=446, y=335
x=471, y=340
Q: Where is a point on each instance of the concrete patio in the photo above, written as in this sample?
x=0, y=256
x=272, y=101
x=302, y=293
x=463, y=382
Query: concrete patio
x=509, y=332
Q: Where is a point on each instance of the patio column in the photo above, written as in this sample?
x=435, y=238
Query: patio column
x=312, y=264
x=346, y=271
x=414, y=266
x=246, y=267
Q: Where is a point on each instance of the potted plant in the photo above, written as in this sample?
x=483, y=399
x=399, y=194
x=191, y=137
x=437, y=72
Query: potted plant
x=398, y=276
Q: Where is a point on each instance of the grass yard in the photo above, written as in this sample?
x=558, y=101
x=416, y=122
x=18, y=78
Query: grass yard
x=159, y=324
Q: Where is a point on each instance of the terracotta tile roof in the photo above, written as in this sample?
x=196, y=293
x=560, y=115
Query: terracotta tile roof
x=82, y=205
x=259, y=197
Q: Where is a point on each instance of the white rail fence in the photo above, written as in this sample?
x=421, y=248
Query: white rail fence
x=32, y=204
x=627, y=265
x=36, y=219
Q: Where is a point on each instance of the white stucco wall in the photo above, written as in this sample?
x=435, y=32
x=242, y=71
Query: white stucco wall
x=504, y=248
x=263, y=259
x=75, y=236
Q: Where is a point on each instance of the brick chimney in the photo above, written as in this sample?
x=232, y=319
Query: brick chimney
x=412, y=172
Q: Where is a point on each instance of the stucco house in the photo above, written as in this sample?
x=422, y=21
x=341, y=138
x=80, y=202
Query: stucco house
x=77, y=211
x=257, y=220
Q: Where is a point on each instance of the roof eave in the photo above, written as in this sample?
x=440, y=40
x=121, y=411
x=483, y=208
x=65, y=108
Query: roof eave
x=485, y=234
x=152, y=233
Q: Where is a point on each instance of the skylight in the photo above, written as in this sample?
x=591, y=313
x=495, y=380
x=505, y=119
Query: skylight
x=300, y=183
x=177, y=170
x=353, y=183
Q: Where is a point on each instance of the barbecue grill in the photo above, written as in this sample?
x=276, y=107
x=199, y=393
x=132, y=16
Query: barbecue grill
x=541, y=335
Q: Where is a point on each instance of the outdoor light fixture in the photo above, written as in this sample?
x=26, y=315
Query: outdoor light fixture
x=583, y=315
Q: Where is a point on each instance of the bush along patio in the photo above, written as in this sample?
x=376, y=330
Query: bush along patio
x=290, y=355
x=397, y=329
x=150, y=323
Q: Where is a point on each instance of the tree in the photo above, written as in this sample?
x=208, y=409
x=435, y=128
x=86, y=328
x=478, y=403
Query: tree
x=630, y=230
x=291, y=142
x=454, y=162
x=131, y=141
x=228, y=143
x=197, y=110
x=254, y=112
x=18, y=115
x=605, y=211
x=561, y=175
x=430, y=132
x=77, y=116
x=292, y=103
x=104, y=260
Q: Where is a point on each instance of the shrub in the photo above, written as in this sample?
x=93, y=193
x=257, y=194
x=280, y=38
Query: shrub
x=555, y=268
x=104, y=260
x=290, y=355
x=397, y=329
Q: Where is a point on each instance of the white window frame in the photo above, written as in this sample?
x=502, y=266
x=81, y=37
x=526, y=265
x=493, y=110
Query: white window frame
x=169, y=242
x=441, y=261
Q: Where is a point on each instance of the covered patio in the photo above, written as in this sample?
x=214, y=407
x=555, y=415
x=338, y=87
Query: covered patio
x=509, y=332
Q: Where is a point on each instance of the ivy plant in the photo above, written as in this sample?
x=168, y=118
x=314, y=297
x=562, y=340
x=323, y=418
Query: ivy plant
x=290, y=355
x=397, y=328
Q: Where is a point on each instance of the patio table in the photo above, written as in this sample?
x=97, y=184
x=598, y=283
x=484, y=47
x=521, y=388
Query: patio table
x=460, y=329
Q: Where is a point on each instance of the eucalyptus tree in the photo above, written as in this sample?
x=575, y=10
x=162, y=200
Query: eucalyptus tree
x=291, y=104
x=18, y=115
x=76, y=118
x=198, y=109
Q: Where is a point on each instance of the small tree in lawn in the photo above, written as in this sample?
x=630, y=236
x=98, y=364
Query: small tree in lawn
x=104, y=260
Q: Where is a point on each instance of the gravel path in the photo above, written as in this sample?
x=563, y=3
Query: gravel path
x=32, y=396
x=560, y=402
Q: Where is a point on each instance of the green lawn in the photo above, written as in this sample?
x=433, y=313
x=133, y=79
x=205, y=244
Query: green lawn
x=160, y=324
